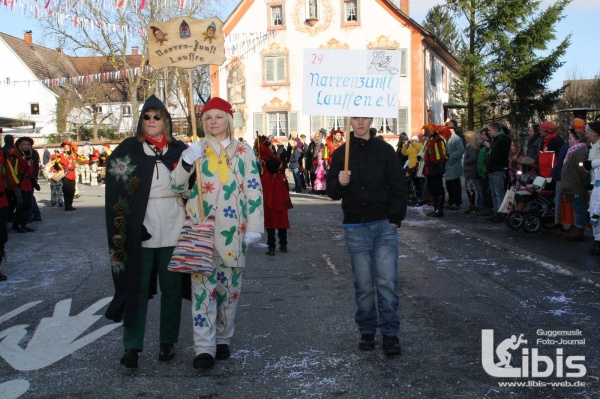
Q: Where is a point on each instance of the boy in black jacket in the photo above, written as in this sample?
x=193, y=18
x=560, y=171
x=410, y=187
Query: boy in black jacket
x=374, y=198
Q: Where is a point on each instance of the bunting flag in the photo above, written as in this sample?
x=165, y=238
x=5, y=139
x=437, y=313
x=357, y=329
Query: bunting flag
x=74, y=80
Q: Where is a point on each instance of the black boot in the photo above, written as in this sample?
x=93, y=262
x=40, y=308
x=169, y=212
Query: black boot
x=471, y=197
x=2, y=275
x=436, y=206
x=595, y=250
x=439, y=206
x=271, y=251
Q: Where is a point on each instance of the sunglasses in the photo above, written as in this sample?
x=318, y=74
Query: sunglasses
x=156, y=117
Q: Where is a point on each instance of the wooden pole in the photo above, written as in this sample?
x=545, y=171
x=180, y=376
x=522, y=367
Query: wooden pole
x=195, y=138
x=347, y=134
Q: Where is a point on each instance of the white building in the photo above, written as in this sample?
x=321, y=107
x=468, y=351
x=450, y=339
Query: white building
x=23, y=98
x=265, y=86
x=26, y=100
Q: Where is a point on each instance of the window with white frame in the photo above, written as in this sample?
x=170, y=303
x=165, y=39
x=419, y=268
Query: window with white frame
x=277, y=15
x=335, y=122
x=350, y=11
x=432, y=69
x=126, y=110
x=385, y=125
x=274, y=69
x=99, y=109
x=444, y=78
x=277, y=123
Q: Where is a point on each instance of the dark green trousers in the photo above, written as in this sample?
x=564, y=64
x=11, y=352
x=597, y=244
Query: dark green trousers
x=170, y=300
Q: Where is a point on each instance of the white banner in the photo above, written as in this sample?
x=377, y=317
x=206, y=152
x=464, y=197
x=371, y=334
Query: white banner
x=351, y=83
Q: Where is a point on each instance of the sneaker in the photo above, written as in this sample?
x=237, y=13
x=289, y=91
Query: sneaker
x=130, y=358
x=367, y=342
x=391, y=345
x=222, y=352
x=204, y=361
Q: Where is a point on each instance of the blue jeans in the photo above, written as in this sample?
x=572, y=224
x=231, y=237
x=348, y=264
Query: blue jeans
x=374, y=257
x=479, y=191
x=580, y=211
x=498, y=189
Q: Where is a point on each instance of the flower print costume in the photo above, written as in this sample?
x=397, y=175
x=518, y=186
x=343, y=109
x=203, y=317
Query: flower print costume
x=232, y=192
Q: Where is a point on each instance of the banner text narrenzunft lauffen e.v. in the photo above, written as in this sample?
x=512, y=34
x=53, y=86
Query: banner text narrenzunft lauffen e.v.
x=351, y=82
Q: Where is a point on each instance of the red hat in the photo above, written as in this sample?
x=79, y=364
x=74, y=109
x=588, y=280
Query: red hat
x=96, y=153
x=22, y=139
x=578, y=124
x=72, y=145
x=217, y=103
x=548, y=127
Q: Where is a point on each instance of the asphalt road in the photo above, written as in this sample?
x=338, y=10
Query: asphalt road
x=295, y=337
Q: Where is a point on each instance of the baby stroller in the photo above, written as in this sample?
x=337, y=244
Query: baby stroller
x=535, y=204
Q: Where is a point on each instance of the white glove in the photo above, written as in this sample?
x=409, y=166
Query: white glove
x=195, y=151
x=252, y=237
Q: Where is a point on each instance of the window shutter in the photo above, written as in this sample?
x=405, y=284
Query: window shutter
x=293, y=120
x=269, y=70
x=258, y=124
x=403, y=62
x=315, y=123
x=403, y=120
x=280, y=69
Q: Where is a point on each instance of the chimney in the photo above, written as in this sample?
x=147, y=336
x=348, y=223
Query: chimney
x=405, y=6
x=134, y=50
x=28, y=37
x=59, y=50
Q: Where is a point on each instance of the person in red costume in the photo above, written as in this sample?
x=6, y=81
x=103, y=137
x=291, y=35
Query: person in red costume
x=68, y=161
x=21, y=158
x=333, y=142
x=8, y=181
x=276, y=196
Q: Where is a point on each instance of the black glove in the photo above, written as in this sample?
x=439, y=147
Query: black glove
x=587, y=165
x=36, y=185
x=590, y=187
x=419, y=158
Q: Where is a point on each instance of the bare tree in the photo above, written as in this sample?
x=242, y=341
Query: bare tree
x=101, y=38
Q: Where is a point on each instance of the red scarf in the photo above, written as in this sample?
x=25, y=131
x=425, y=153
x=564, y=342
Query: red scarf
x=158, y=141
x=547, y=140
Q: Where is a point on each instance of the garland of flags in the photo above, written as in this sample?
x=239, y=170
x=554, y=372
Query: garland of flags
x=239, y=45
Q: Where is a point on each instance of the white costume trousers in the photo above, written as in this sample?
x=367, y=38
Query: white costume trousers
x=214, y=304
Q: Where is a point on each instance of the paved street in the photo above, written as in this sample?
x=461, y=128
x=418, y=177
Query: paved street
x=295, y=335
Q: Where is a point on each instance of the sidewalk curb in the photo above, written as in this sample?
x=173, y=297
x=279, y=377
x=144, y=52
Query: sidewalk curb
x=580, y=274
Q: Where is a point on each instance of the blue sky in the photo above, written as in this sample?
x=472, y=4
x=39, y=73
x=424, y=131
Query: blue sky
x=582, y=60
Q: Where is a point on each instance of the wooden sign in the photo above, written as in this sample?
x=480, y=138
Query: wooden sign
x=186, y=43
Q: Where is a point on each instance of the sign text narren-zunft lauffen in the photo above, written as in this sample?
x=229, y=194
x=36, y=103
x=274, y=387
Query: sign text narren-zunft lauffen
x=351, y=82
x=186, y=43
